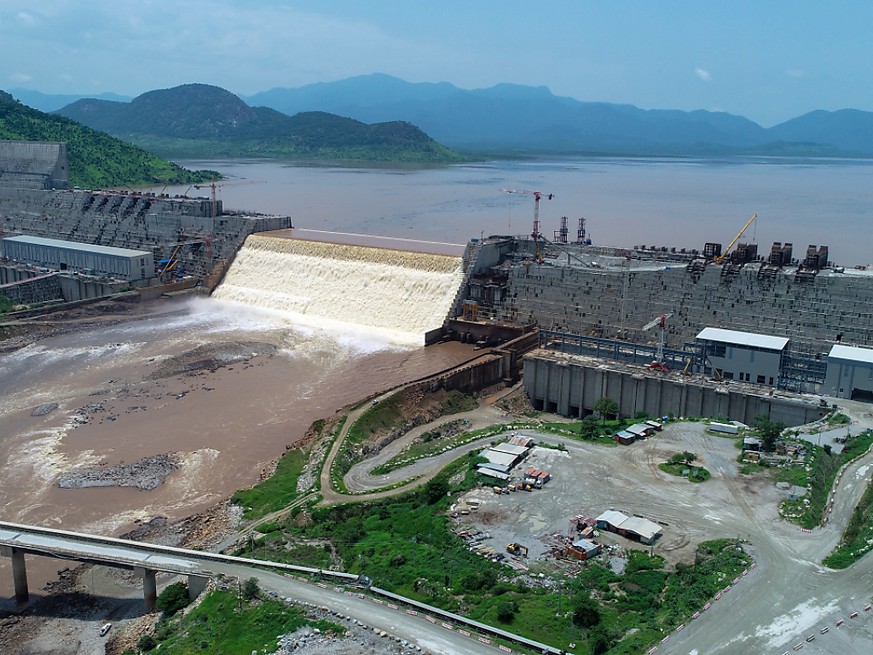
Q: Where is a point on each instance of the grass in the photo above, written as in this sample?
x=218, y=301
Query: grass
x=217, y=625
x=694, y=473
x=275, y=492
x=406, y=545
x=857, y=540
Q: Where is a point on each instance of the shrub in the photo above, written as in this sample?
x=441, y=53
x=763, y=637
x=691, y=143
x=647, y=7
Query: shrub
x=173, y=598
x=146, y=643
x=506, y=610
x=251, y=589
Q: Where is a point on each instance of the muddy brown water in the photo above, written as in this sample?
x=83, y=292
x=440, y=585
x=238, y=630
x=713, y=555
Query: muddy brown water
x=226, y=424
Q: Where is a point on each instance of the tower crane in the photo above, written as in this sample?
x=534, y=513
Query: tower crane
x=213, y=187
x=661, y=322
x=535, y=234
x=723, y=255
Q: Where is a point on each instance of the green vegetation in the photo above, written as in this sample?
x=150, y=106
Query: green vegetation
x=198, y=120
x=6, y=305
x=857, y=540
x=680, y=465
x=224, y=624
x=837, y=419
x=606, y=408
x=823, y=465
x=768, y=431
x=95, y=159
x=406, y=545
x=275, y=492
x=173, y=598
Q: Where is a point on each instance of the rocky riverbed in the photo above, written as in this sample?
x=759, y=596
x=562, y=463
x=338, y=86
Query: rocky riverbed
x=147, y=473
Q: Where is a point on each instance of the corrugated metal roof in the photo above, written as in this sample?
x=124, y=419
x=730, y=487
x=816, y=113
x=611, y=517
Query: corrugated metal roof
x=499, y=458
x=743, y=338
x=75, y=245
x=612, y=517
x=639, y=429
x=851, y=353
x=644, y=527
x=510, y=448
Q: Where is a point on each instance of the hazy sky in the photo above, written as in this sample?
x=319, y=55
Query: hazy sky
x=768, y=60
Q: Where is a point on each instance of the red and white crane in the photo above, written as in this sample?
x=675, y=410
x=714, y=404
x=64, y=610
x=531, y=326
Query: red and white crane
x=535, y=234
x=661, y=322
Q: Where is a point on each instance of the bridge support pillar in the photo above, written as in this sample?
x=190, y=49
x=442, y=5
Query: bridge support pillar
x=196, y=585
x=149, y=586
x=19, y=576
x=19, y=573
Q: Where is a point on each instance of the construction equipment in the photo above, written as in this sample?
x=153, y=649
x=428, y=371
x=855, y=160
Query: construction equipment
x=661, y=322
x=535, y=234
x=213, y=187
x=517, y=549
x=720, y=258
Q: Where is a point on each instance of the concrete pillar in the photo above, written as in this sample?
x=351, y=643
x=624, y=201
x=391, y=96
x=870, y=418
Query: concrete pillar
x=196, y=585
x=149, y=586
x=19, y=576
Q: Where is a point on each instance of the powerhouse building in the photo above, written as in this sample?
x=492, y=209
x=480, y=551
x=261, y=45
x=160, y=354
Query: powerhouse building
x=744, y=356
x=104, y=261
x=849, y=373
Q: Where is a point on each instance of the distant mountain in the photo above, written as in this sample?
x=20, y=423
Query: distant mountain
x=196, y=120
x=52, y=102
x=508, y=117
x=95, y=159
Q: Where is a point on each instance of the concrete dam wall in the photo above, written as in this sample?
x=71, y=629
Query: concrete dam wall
x=136, y=221
x=605, y=298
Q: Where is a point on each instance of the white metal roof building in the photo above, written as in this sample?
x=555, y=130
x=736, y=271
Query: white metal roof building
x=59, y=255
x=634, y=527
x=744, y=356
x=849, y=373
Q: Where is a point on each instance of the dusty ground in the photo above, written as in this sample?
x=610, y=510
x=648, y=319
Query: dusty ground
x=588, y=480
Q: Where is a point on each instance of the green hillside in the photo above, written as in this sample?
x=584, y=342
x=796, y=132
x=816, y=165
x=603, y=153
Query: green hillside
x=96, y=159
x=199, y=120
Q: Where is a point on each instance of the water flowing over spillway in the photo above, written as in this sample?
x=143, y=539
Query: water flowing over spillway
x=397, y=293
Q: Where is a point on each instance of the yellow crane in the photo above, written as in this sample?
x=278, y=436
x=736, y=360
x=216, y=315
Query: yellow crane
x=723, y=255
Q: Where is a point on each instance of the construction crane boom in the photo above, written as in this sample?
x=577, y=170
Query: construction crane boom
x=535, y=232
x=723, y=255
x=661, y=322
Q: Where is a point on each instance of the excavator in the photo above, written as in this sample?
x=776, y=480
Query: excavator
x=517, y=549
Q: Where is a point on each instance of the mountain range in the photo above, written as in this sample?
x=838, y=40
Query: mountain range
x=513, y=119
x=199, y=120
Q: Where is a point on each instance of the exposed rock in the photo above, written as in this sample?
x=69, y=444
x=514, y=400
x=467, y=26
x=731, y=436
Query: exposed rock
x=146, y=474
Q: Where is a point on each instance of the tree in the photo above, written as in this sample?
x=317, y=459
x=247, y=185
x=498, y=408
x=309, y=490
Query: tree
x=506, y=610
x=688, y=457
x=173, y=598
x=769, y=432
x=251, y=589
x=606, y=407
x=146, y=643
x=435, y=490
x=585, y=612
x=589, y=429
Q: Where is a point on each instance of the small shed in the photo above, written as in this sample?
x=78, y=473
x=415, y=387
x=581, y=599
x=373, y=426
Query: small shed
x=624, y=438
x=751, y=443
x=655, y=425
x=583, y=549
x=640, y=430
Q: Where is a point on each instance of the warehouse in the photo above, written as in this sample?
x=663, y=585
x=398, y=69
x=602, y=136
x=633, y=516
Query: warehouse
x=104, y=261
x=632, y=527
x=744, y=356
x=849, y=373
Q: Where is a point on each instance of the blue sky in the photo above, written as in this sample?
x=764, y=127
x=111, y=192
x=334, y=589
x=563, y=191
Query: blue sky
x=768, y=60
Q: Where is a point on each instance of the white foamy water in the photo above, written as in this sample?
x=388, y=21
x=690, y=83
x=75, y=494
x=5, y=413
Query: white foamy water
x=350, y=290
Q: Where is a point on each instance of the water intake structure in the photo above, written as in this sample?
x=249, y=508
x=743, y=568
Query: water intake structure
x=398, y=294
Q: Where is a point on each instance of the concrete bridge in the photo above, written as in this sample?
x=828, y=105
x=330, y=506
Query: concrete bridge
x=146, y=560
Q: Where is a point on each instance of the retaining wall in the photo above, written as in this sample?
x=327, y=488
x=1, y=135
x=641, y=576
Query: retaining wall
x=571, y=386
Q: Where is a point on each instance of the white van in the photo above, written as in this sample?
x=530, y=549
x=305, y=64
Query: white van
x=106, y=627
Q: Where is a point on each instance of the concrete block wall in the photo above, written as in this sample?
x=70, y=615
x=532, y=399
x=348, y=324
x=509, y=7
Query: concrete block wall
x=32, y=290
x=572, y=386
x=610, y=303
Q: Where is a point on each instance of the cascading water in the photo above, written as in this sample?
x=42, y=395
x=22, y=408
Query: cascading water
x=399, y=294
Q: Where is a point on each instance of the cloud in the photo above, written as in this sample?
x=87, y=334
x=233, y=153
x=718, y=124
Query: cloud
x=703, y=74
x=25, y=18
x=20, y=78
x=795, y=72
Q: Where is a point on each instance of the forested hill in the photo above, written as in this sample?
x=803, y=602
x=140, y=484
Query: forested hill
x=95, y=159
x=199, y=120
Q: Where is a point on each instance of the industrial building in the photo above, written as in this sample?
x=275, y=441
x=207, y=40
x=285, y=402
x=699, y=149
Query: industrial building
x=70, y=256
x=744, y=356
x=849, y=373
x=632, y=527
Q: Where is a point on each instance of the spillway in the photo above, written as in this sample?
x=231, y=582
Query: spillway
x=399, y=294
